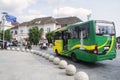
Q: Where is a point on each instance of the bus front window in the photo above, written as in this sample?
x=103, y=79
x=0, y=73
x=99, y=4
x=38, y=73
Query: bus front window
x=105, y=29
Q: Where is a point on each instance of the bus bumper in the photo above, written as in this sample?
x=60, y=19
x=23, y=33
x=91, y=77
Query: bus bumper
x=105, y=57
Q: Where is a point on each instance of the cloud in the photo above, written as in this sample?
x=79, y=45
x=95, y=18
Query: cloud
x=20, y=9
x=70, y=11
x=32, y=14
x=15, y=5
x=35, y=12
x=24, y=18
x=58, y=1
x=51, y=1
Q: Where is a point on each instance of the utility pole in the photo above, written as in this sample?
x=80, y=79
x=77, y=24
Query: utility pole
x=3, y=25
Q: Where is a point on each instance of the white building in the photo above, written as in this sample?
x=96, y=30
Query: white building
x=14, y=32
x=20, y=33
x=6, y=26
x=48, y=24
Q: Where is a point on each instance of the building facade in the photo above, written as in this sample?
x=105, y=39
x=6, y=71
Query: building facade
x=6, y=26
x=48, y=24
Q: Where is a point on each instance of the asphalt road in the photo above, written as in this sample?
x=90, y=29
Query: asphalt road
x=104, y=70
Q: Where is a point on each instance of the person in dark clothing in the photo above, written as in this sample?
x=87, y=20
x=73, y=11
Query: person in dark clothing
x=29, y=45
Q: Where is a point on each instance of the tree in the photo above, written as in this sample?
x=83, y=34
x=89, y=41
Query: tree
x=50, y=37
x=7, y=35
x=1, y=34
x=41, y=32
x=35, y=34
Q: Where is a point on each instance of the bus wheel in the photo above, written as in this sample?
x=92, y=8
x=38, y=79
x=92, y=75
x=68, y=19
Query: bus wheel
x=56, y=52
x=73, y=57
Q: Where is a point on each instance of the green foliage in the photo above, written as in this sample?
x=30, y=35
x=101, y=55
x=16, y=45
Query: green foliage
x=7, y=35
x=50, y=37
x=1, y=33
x=35, y=34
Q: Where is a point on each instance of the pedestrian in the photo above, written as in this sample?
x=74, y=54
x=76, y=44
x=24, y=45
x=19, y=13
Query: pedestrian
x=29, y=45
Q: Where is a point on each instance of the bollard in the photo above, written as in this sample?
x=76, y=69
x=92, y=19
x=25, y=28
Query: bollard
x=70, y=70
x=23, y=50
x=13, y=49
x=8, y=48
x=62, y=64
x=27, y=50
x=43, y=55
x=81, y=76
x=56, y=60
x=40, y=53
x=31, y=50
x=51, y=58
x=47, y=56
x=36, y=52
x=18, y=49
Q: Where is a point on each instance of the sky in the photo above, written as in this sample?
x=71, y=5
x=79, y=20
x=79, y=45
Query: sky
x=26, y=10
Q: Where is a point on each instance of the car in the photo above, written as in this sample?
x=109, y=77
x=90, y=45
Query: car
x=43, y=46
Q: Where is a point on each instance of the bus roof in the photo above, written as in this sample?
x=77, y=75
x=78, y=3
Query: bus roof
x=70, y=26
x=79, y=23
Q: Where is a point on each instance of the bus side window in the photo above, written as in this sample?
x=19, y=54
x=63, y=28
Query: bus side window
x=68, y=35
x=85, y=29
x=71, y=33
x=74, y=34
x=58, y=36
x=85, y=34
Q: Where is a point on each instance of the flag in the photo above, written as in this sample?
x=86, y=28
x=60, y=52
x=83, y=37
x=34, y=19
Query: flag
x=10, y=18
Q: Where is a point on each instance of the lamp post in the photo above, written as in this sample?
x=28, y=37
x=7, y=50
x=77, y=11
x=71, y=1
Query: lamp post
x=88, y=16
x=81, y=40
x=3, y=24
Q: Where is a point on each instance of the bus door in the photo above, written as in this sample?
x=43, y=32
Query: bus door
x=65, y=36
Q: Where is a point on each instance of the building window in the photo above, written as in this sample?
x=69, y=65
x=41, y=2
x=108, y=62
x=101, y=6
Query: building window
x=15, y=32
x=11, y=32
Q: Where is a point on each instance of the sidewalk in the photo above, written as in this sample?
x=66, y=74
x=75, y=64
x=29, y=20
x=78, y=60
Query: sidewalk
x=15, y=65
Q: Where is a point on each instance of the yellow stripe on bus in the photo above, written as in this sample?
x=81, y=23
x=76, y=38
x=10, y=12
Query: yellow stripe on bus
x=91, y=47
x=112, y=43
x=86, y=47
x=103, y=44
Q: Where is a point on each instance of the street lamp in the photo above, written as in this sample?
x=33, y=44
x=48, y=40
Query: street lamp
x=88, y=16
x=3, y=24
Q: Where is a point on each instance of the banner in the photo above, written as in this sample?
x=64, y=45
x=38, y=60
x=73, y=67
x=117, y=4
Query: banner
x=10, y=18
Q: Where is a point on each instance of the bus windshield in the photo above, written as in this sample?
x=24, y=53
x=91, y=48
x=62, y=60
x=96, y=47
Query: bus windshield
x=105, y=28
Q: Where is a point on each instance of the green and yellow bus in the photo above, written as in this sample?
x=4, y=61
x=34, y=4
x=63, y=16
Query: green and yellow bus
x=89, y=41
